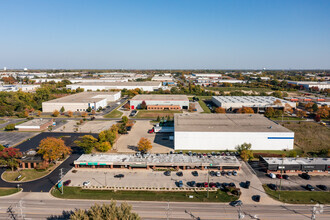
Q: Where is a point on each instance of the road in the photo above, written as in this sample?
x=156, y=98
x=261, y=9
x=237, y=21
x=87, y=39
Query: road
x=42, y=206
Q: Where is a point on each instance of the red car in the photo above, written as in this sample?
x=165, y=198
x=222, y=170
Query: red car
x=150, y=131
x=66, y=183
x=206, y=184
x=279, y=176
x=213, y=185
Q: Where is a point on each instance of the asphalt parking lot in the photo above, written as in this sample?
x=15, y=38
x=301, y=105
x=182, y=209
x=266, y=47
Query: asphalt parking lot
x=14, y=138
x=86, y=127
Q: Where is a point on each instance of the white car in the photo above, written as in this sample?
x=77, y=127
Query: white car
x=272, y=175
x=86, y=183
x=218, y=173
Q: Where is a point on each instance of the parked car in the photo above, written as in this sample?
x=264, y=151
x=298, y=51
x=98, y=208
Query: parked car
x=272, y=175
x=133, y=113
x=236, y=203
x=194, y=173
x=180, y=183
x=199, y=185
x=309, y=187
x=206, y=184
x=232, y=185
x=6, y=145
x=278, y=176
x=167, y=173
x=217, y=184
x=323, y=187
x=150, y=131
x=119, y=176
x=218, y=173
x=234, y=173
x=256, y=198
x=129, y=128
x=191, y=183
x=225, y=184
x=223, y=173
x=229, y=173
x=212, y=184
x=66, y=183
x=272, y=186
x=179, y=173
x=86, y=183
x=212, y=173
x=247, y=184
x=286, y=177
x=306, y=176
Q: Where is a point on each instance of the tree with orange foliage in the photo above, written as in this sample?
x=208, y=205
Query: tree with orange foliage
x=220, y=110
x=288, y=108
x=309, y=106
x=70, y=114
x=84, y=114
x=277, y=102
x=245, y=110
x=301, y=113
x=324, y=112
x=38, y=113
x=56, y=113
x=144, y=145
x=53, y=149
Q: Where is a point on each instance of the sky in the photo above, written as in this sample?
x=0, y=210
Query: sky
x=165, y=34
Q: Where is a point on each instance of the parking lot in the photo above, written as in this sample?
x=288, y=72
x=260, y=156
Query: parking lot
x=128, y=143
x=86, y=127
x=14, y=138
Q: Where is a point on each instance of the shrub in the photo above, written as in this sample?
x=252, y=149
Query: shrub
x=10, y=127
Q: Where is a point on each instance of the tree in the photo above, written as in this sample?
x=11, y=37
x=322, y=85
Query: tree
x=244, y=150
x=53, y=149
x=301, y=113
x=309, y=106
x=317, y=118
x=10, y=157
x=220, y=110
x=278, y=113
x=143, y=105
x=39, y=113
x=62, y=109
x=245, y=110
x=103, y=146
x=269, y=112
x=124, y=119
x=1, y=147
x=56, y=113
x=292, y=153
x=315, y=107
x=288, y=108
x=84, y=114
x=70, y=114
x=144, y=145
x=87, y=143
x=158, y=118
x=10, y=127
x=126, y=106
x=277, y=102
x=122, y=129
x=106, y=212
x=108, y=136
x=89, y=109
x=323, y=112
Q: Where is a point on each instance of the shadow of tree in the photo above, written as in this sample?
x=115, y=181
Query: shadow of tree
x=65, y=215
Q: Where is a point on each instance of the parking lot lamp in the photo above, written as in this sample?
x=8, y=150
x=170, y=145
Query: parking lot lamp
x=208, y=181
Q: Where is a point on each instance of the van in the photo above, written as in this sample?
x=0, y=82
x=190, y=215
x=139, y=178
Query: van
x=272, y=175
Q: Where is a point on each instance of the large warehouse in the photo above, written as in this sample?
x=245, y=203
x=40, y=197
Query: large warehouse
x=257, y=102
x=161, y=102
x=94, y=86
x=81, y=102
x=226, y=131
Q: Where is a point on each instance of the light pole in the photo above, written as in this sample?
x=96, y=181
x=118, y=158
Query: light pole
x=208, y=182
x=105, y=178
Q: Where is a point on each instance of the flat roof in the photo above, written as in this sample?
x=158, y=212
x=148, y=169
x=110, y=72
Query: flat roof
x=161, y=97
x=226, y=123
x=160, y=159
x=83, y=97
x=148, y=83
x=257, y=100
x=294, y=160
x=34, y=122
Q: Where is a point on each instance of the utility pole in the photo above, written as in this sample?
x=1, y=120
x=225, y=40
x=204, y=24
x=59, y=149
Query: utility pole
x=208, y=182
x=105, y=178
x=61, y=177
x=279, y=192
x=315, y=211
x=20, y=206
x=168, y=210
x=240, y=213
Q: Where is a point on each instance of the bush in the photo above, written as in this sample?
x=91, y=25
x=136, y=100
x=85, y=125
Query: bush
x=10, y=127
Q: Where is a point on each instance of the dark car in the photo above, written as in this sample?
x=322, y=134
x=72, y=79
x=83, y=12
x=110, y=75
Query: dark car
x=6, y=145
x=278, y=176
x=236, y=203
x=191, y=183
x=119, y=176
x=179, y=184
x=272, y=186
x=212, y=173
x=232, y=185
x=223, y=173
x=286, y=177
x=306, y=176
x=167, y=173
x=225, y=184
x=323, y=187
x=92, y=118
x=194, y=173
x=66, y=183
x=213, y=184
x=309, y=187
x=179, y=173
x=256, y=198
x=217, y=184
x=129, y=128
x=199, y=185
x=247, y=184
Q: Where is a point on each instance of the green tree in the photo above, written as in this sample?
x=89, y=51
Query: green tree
x=315, y=107
x=1, y=147
x=89, y=109
x=10, y=127
x=62, y=109
x=108, y=136
x=269, y=112
x=103, y=146
x=278, y=113
x=244, y=150
x=106, y=212
x=292, y=153
x=124, y=119
x=87, y=143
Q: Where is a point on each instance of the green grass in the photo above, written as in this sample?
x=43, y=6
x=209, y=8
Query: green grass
x=2, y=121
x=288, y=118
x=153, y=114
x=8, y=191
x=299, y=197
x=113, y=114
x=79, y=193
x=27, y=174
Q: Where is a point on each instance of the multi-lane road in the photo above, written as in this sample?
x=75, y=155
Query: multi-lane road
x=42, y=206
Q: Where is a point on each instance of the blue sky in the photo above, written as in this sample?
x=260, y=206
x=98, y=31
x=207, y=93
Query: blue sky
x=165, y=34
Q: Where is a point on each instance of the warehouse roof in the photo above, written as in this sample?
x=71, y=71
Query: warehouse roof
x=226, y=123
x=161, y=97
x=34, y=122
x=160, y=159
x=82, y=97
x=294, y=160
x=254, y=100
x=148, y=83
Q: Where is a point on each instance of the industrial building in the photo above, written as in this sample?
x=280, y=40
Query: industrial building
x=80, y=102
x=309, y=85
x=227, y=131
x=35, y=125
x=95, y=86
x=292, y=165
x=160, y=102
x=256, y=102
x=157, y=161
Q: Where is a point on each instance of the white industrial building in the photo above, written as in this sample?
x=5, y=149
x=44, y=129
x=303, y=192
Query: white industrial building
x=80, y=80
x=94, y=86
x=235, y=102
x=227, y=131
x=81, y=102
x=309, y=85
x=161, y=102
x=18, y=87
x=208, y=75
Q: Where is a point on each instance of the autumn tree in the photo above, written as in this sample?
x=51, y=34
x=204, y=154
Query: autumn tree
x=70, y=114
x=53, y=149
x=144, y=145
x=277, y=102
x=87, y=143
x=278, y=113
x=10, y=157
x=124, y=120
x=323, y=111
x=220, y=110
x=108, y=136
x=301, y=113
x=84, y=114
x=317, y=118
x=39, y=113
x=126, y=106
x=244, y=150
x=103, y=146
x=143, y=105
x=269, y=112
x=288, y=108
x=106, y=212
x=56, y=113
x=309, y=106
x=245, y=110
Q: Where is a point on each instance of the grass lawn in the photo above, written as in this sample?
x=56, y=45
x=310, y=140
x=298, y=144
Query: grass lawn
x=79, y=193
x=27, y=174
x=8, y=191
x=113, y=114
x=288, y=118
x=309, y=136
x=154, y=114
x=2, y=121
x=299, y=197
